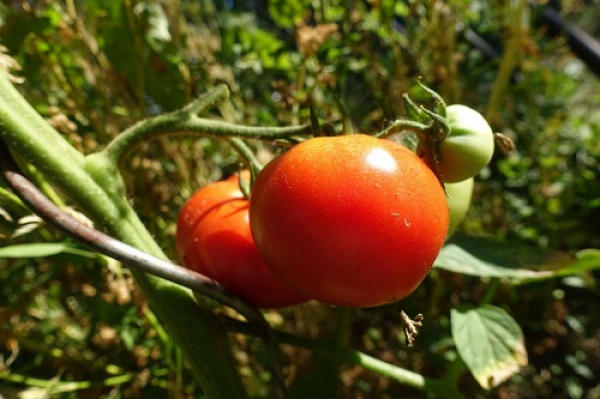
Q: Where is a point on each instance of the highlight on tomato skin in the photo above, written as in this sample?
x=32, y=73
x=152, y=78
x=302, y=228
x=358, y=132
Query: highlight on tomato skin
x=213, y=238
x=350, y=220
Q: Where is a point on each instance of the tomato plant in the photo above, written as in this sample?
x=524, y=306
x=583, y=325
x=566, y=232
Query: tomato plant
x=350, y=220
x=213, y=238
x=469, y=146
x=459, y=197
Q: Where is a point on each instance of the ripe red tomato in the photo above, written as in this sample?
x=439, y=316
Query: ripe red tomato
x=213, y=238
x=350, y=220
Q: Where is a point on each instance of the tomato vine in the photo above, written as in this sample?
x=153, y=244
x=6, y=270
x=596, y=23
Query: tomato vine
x=94, y=184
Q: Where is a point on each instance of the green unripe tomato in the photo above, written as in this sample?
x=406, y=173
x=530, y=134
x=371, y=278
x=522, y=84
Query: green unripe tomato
x=458, y=196
x=469, y=146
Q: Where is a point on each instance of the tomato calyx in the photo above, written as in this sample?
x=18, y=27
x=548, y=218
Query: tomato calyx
x=431, y=138
x=455, y=141
x=434, y=129
x=430, y=126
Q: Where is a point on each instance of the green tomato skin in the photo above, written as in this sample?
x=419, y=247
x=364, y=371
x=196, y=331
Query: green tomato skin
x=458, y=196
x=469, y=146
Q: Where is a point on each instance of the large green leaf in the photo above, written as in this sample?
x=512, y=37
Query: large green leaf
x=489, y=341
x=457, y=259
x=518, y=262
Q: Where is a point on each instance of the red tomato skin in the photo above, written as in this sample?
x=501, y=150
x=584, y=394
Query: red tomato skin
x=214, y=238
x=208, y=197
x=350, y=220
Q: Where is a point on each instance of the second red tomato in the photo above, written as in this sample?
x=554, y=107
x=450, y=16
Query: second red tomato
x=213, y=238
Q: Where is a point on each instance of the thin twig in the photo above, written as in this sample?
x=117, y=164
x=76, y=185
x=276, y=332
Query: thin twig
x=135, y=258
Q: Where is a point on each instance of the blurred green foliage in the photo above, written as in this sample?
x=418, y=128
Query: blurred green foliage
x=93, y=68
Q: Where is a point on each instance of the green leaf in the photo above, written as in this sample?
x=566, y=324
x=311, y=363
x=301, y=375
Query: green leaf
x=40, y=250
x=490, y=342
x=519, y=262
x=456, y=259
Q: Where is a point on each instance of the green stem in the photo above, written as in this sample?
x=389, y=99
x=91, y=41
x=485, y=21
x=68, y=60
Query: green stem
x=175, y=123
x=186, y=121
x=249, y=159
x=28, y=134
x=96, y=187
x=351, y=356
x=454, y=370
x=491, y=291
x=437, y=293
x=402, y=125
x=315, y=126
x=41, y=141
x=214, y=97
x=347, y=127
x=12, y=200
x=440, y=104
x=56, y=387
x=300, y=88
x=341, y=335
x=40, y=181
